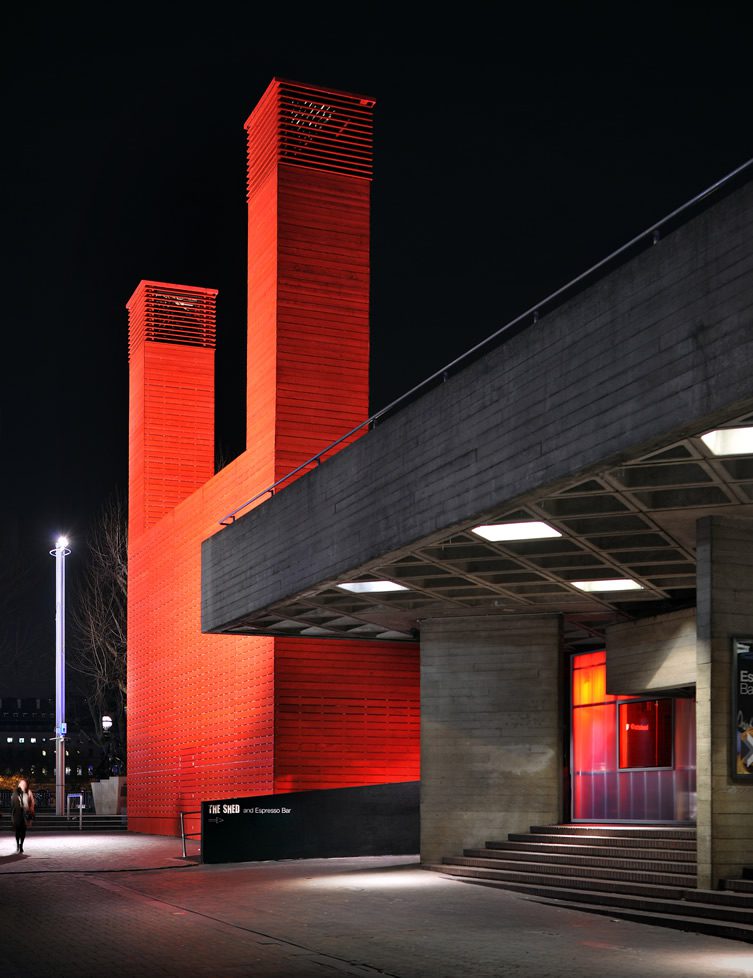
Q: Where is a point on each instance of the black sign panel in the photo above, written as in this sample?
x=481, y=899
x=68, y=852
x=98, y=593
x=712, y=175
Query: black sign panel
x=742, y=709
x=377, y=820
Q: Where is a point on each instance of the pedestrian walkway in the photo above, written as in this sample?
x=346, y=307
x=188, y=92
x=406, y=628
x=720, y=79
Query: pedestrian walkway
x=123, y=906
x=91, y=852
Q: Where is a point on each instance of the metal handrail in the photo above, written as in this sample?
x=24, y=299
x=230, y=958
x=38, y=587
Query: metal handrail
x=81, y=806
x=187, y=835
x=652, y=230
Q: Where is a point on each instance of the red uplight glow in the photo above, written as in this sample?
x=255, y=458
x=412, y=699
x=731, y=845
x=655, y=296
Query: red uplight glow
x=219, y=715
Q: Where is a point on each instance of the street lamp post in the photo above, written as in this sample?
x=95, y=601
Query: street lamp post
x=107, y=745
x=60, y=552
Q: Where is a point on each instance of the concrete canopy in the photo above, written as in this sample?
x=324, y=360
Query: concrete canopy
x=588, y=419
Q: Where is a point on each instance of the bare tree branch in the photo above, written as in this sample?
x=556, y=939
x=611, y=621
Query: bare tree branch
x=98, y=621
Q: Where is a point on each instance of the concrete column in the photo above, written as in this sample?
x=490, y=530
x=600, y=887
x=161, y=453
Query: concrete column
x=491, y=729
x=725, y=608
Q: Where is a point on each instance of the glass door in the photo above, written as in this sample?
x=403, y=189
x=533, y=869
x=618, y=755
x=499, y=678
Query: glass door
x=632, y=758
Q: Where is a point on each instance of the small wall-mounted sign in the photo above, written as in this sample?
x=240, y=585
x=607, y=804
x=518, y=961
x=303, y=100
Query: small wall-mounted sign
x=742, y=709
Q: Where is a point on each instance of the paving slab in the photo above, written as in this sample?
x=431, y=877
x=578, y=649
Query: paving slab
x=104, y=907
x=90, y=852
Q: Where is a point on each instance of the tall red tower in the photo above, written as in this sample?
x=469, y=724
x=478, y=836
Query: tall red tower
x=211, y=715
x=309, y=176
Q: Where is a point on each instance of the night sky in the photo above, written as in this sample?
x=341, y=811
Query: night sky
x=512, y=151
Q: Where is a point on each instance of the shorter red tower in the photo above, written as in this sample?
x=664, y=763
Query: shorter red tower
x=171, y=341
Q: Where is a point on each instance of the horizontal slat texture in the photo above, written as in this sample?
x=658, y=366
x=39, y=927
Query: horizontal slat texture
x=171, y=424
x=322, y=378
x=311, y=127
x=167, y=313
x=345, y=714
x=308, y=274
x=212, y=716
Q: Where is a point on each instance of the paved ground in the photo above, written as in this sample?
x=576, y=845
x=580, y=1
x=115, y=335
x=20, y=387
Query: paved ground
x=107, y=906
x=65, y=852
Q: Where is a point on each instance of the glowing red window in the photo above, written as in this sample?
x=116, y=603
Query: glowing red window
x=646, y=733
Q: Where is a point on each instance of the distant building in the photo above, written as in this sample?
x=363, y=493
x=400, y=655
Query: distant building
x=27, y=740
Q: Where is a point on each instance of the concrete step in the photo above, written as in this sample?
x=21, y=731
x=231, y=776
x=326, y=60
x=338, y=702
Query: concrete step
x=628, y=831
x=645, y=873
x=537, y=875
x=695, y=925
x=723, y=898
x=649, y=905
x=568, y=861
x=739, y=885
x=611, y=841
x=594, y=851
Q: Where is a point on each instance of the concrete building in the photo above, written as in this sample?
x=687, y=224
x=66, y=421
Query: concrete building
x=27, y=743
x=562, y=521
x=568, y=513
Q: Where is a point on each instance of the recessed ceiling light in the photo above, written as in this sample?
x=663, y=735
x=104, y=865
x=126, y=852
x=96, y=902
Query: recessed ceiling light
x=367, y=587
x=615, y=584
x=529, y=530
x=729, y=441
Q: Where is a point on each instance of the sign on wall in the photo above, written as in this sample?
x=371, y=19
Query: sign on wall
x=742, y=709
x=374, y=820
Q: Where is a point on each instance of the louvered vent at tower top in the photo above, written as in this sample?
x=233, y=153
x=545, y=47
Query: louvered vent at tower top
x=164, y=313
x=310, y=127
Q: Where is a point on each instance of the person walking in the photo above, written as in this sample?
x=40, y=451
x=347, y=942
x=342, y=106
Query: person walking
x=21, y=811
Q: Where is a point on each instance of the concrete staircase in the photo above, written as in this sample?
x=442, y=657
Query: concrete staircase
x=644, y=873
x=47, y=822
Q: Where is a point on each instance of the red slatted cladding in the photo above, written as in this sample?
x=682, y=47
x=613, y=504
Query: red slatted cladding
x=171, y=349
x=345, y=714
x=308, y=210
x=213, y=715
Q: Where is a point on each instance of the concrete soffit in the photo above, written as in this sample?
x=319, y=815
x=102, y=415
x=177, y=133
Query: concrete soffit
x=624, y=482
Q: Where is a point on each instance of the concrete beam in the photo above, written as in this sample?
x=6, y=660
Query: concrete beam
x=653, y=653
x=658, y=349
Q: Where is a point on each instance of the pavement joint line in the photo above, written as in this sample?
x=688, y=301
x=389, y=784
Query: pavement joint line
x=92, y=872
x=128, y=892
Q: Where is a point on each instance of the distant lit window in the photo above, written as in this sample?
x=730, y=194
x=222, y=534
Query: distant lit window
x=33, y=740
x=646, y=734
x=9, y=739
x=22, y=740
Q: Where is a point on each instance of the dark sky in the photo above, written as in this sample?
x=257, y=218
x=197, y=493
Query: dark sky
x=512, y=150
